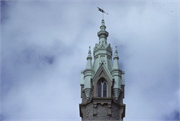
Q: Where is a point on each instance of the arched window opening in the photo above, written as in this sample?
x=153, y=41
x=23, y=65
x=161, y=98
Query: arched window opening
x=102, y=88
x=99, y=89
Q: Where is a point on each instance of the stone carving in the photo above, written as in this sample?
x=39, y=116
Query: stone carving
x=101, y=112
x=117, y=92
x=96, y=47
x=109, y=47
x=88, y=93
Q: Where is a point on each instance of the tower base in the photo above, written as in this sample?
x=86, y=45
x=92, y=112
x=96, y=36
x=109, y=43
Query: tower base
x=104, y=109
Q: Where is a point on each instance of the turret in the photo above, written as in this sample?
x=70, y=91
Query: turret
x=116, y=73
x=88, y=73
x=102, y=34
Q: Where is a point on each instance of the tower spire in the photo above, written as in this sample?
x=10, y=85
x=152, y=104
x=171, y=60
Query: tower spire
x=88, y=72
x=89, y=58
x=102, y=34
x=116, y=58
x=102, y=83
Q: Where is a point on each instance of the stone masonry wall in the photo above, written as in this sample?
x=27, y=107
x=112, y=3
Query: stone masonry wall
x=101, y=112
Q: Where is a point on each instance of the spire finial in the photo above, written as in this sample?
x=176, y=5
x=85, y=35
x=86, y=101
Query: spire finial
x=89, y=53
x=89, y=58
x=102, y=33
x=116, y=58
x=89, y=50
x=102, y=22
x=116, y=53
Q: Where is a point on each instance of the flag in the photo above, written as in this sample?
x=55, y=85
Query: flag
x=101, y=10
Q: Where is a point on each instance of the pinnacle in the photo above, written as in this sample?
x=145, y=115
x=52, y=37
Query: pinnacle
x=89, y=50
x=89, y=53
x=102, y=22
x=103, y=33
x=116, y=54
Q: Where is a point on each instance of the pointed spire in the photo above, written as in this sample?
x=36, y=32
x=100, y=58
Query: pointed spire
x=89, y=53
x=116, y=58
x=103, y=23
x=89, y=58
x=102, y=34
x=116, y=54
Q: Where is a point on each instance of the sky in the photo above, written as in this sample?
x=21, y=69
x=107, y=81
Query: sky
x=44, y=45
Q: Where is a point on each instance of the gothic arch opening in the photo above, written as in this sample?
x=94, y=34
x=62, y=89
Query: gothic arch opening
x=102, y=88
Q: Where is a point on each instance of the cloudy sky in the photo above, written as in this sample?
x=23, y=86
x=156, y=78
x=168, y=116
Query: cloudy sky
x=44, y=46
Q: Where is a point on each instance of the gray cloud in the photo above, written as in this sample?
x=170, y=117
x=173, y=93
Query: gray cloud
x=45, y=45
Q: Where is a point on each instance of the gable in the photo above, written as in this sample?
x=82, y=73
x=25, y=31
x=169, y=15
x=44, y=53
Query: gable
x=102, y=71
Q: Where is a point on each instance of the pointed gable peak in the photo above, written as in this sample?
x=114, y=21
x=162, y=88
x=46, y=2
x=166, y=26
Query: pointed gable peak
x=102, y=71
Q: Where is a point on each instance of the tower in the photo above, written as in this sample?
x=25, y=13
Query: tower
x=102, y=84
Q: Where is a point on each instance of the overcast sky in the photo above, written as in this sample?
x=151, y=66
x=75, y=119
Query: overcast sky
x=44, y=46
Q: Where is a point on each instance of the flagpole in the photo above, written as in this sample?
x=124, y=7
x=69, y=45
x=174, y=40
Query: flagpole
x=102, y=16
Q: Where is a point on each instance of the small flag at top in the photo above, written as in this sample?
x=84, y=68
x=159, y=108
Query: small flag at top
x=102, y=10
